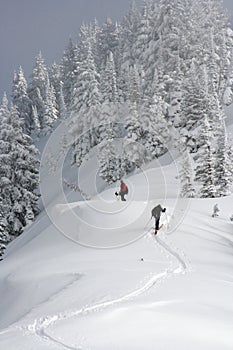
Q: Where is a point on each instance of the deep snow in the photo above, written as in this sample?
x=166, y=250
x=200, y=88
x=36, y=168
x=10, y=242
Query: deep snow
x=76, y=278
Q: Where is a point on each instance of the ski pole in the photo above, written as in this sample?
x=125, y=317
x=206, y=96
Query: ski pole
x=167, y=221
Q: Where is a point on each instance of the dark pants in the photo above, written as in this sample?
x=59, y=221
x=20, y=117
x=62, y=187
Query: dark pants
x=122, y=194
x=157, y=223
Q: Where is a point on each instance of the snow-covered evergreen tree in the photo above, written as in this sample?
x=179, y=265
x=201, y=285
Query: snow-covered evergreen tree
x=4, y=234
x=86, y=103
x=135, y=86
x=205, y=170
x=186, y=176
x=55, y=81
x=143, y=37
x=208, y=189
x=215, y=211
x=86, y=90
x=36, y=127
x=155, y=134
x=18, y=173
x=134, y=151
x=5, y=170
x=4, y=110
x=37, y=89
x=223, y=165
x=107, y=40
x=174, y=111
x=211, y=28
x=226, y=68
x=81, y=148
x=108, y=81
x=69, y=67
x=109, y=161
x=21, y=100
x=130, y=26
x=194, y=106
x=61, y=103
x=55, y=77
x=50, y=109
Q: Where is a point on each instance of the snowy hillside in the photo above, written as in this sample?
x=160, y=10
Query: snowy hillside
x=143, y=99
x=93, y=276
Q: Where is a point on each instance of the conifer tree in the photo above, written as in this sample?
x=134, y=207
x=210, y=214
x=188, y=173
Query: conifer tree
x=5, y=171
x=55, y=77
x=18, y=173
x=108, y=81
x=194, y=106
x=211, y=28
x=95, y=30
x=81, y=148
x=130, y=31
x=142, y=41
x=135, y=88
x=4, y=110
x=107, y=40
x=208, y=189
x=86, y=89
x=38, y=87
x=109, y=162
x=50, y=109
x=21, y=100
x=69, y=67
x=176, y=95
x=86, y=103
x=39, y=77
x=56, y=82
x=223, y=166
x=226, y=72
x=61, y=103
x=134, y=151
x=205, y=170
x=4, y=234
x=186, y=176
x=35, y=129
x=155, y=134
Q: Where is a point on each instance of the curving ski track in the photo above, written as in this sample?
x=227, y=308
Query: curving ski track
x=40, y=326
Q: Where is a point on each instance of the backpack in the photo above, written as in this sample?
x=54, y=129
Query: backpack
x=153, y=213
x=156, y=212
x=125, y=189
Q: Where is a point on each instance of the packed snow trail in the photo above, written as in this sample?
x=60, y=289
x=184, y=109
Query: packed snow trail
x=40, y=326
x=172, y=252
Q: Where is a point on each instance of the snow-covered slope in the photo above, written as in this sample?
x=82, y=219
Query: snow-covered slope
x=93, y=276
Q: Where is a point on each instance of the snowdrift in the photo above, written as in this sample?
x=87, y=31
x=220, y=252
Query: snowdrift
x=104, y=224
x=62, y=287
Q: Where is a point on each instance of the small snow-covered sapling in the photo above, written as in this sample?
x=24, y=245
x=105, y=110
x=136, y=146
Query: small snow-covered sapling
x=215, y=211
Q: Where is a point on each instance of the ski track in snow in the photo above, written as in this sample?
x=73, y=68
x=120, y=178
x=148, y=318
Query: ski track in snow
x=13, y=326
x=40, y=326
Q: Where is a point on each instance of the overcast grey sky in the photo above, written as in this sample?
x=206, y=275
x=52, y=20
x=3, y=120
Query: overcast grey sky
x=30, y=26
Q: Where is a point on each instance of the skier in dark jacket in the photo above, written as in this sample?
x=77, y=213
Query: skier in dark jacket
x=123, y=191
x=156, y=213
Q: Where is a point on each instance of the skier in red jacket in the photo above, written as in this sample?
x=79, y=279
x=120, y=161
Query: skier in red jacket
x=123, y=191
